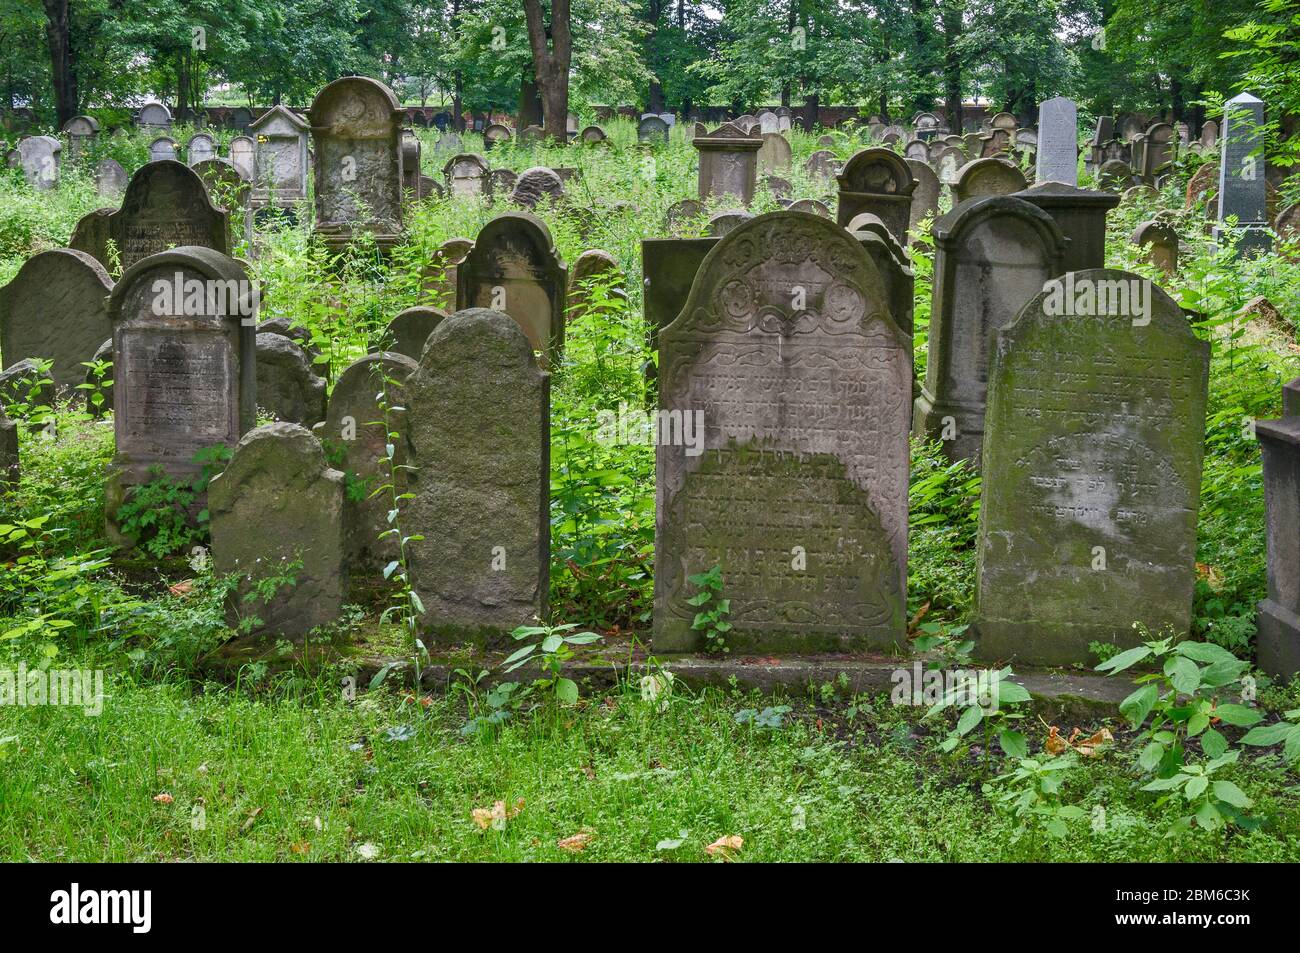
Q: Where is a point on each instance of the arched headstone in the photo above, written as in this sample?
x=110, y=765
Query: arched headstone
x=879, y=181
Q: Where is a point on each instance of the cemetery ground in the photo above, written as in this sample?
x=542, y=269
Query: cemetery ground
x=209, y=749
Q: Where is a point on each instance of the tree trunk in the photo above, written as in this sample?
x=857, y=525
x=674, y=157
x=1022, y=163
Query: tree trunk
x=952, y=67
x=811, y=109
x=530, y=110
x=58, y=36
x=551, y=63
x=183, y=85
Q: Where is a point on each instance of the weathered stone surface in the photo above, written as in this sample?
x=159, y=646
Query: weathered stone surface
x=81, y=132
x=669, y=266
x=38, y=157
x=593, y=266
x=480, y=439
x=779, y=187
x=294, y=332
x=164, y=149
x=1058, y=141
x=276, y=511
x=728, y=162
x=1159, y=241
x=1242, y=188
x=243, y=153
x=652, y=128
x=56, y=308
x=681, y=213
x=1081, y=216
x=356, y=128
x=408, y=332
x=200, y=148
x=811, y=206
x=514, y=267
x=183, y=382
x=287, y=387
x=1114, y=175
x=9, y=466
x=1278, y=621
x=895, y=269
x=727, y=220
x=439, y=278
x=154, y=115
x=494, y=134
x=775, y=153
x=501, y=183
x=280, y=160
x=822, y=164
x=925, y=197
x=1092, y=471
x=355, y=439
x=466, y=174
x=992, y=256
x=985, y=177
x=410, y=148
x=110, y=178
x=878, y=181
x=592, y=135
x=787, y=349
x=1261, y=309
x=536, y=186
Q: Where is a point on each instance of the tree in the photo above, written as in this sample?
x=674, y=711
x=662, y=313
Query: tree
x=58, y=35
x=552, y=49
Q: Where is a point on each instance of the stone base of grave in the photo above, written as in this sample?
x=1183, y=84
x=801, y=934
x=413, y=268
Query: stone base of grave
x=1255, y=238
x=1277, y=645
x=930, y=421
x=337, y=238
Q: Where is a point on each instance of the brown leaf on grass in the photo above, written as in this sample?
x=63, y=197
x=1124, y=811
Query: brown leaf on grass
x=163, y=798
x=1054, y=744
x=1087, y=747
x=248, y=824
x=182, y=588
x=916, y=619
x=496, y=815
x=725, y=847
x=301, y=847
x=1212, y=576
x=577, y=842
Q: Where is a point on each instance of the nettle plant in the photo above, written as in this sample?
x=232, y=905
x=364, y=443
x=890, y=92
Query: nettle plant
x=711, y=619
x=1184, y=700
x=157, y=514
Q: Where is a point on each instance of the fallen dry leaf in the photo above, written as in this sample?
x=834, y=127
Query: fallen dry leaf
x=1086, y=747
x=496, y=815
x=181, y=588
x=725, y=847
x=252, y=816
x=163, y=798
x=577, y=842
x=302, y=847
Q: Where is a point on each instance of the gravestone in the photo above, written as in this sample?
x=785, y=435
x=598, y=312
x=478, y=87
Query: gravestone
x=1092, y=471
x=55, y=309
x=916, y=149
x=26, y=383
x=768, y=121
x=154, y=116
x=895, y=270
x=1159, y=242
x=9, y=468
x=812, y=206
x=438, y=281
x=81, y=132
x=294, y=332
x=536, y=186
x=531, y=135
x=241, y=118
x=515, y=268
x=593, y=266
x=1081, y=216
x=779, y=187
x=775, y=153
x=110, y=178
x=788, y=367
x=90, y=234
x=826, y=142
x=243, y=153
x=494, y=134
x=411, y=148
x=992, y=255
x=1278, y=621
x=720, y=223
x=1157, y=154
x=355, y=125
x=1114, y=175
x=783, y=119
x=164, y=149
x=480, y=439
x=823, y=164
x=683, y=213
x=925, y=197
x=878, y=181
x=652, y=129
x=592, y=134
x=985, y=177
x=1210, y=134
x=1058, y=141
x=466, y=174
x=166, y=205
x=279, y=158
x=184, y=365
x=1004, y=121
x=408, y=332
x=448, y=144
x=38, y=157
x=227, y=188
x=355, y=440
x=947, y=164
x=728, y=162
x=501, y=182
x=200, y=148
x=1242, y=188
x=277, y=510
x=287, y=387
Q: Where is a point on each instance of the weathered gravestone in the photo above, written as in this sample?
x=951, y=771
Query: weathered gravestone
x=782, y=452
x=287, y=387
x=985, y=177
x=823, y=164
x=992, y=255
x=878, y=181
x=480, y=439
x=228, y=189
x=200, y=148
x=1081, y=216
x=1159, y=243
x=1157, y=153
x=355, y=124
x=184, y=365
x=775, y=153
x=916, y=149
x=1114, y=175
x=652, y=129
x=780, y=188
x=1278, y=621
x=1058, y=141
x=164, y=149
x=355, y=439
x=1092, y=471
x=90, y=234
x=466, y=174
x=56, y=308
x=166, y=205
x=1210, y=134
x=25, y=384
x=683, y=213
x=38, y=157
x=501, y=183
x=515, y=268
x=1242, y=188
x=294, y=332
x=280, y=158
x=276, y=512
x=947, y=162
x=536, y=186
x=720, y=223
x=895, y=269
x=81, y=132
x=494, y=134
x=594, y=267
x=154, y=116
x=410, y=329
x=243, y=153
x=812, y=206
x=925, y=197
x=592, y=135
x=110, y=178
x=728, y=162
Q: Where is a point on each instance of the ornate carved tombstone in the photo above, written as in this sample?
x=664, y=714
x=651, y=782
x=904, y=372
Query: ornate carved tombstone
x=280, y=159
x=878, y=181
x=355, y=123
x=1092, y=471
x=184, y=324
x=782, y=452
x=992, y=255
x=514, y=268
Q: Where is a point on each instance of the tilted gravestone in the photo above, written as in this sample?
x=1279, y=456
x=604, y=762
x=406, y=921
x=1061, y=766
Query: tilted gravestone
x=1278, y=621
x=775, y=153
x=110, y=178
x=925, y=197
x=466, y=174
x=280, y=158
x=514, y=267
x=38, y=157
x=56, y=308
x=1159, y=243
x=1114, y=175
x=184, y=365
x=878, y=181
x=166, y=205
x=992, y=255
x=294, y=332
x=356, y=438
x=438, y=281
x=480, y=440
x=200, y=148
x=355, y=124
x=812, y=206
x=728, y=162
x=1091, y=471
x=276, y=512
x=90, y=234
x=1242, y=186
x=782, y=454
x=410, y=329
x=287, y=387
x=1058, y=141
x=243, y=153
x=593, y=267
x=985, y=177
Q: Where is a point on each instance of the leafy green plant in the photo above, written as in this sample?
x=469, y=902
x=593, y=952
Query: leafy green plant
x=158, y=515
x=711, y=619
x=771, y=718
x=1031, y=793
x=551, y=651
x=993, y=715
x=1285, y=733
